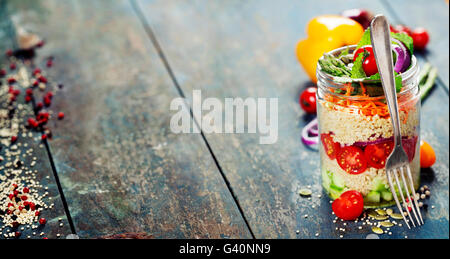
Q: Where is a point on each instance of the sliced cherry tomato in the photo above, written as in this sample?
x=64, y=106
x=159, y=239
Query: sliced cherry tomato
x=308, y=100
x=376, y=154
x=330, y=147
x=420, y=38
x=409, y=144
x=369, y=63
x=427, y=155
x=351, y=159
x=349, y=205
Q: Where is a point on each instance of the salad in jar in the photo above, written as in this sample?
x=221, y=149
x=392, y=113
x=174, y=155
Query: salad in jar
x=356, y=135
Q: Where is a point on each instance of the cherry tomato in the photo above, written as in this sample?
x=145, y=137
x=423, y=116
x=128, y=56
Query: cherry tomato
x=401, y=29
x=351, y=159
x=308, y=100
x=427, y=155
x=376, y=154
x=349, y=205
x=409, y=145
x=331, y=148
x=369, y=63
x=420, y=38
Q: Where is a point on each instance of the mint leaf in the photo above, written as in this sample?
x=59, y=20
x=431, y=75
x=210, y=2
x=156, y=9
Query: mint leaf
x=405, y=39
x=357, y=69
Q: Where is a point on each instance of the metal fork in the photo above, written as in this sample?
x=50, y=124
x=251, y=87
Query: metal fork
x=397, y=163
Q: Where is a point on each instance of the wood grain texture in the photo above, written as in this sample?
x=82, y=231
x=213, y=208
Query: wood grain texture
x=44, y=171
x=120, y=166
x=246, y=49
x=434, y=16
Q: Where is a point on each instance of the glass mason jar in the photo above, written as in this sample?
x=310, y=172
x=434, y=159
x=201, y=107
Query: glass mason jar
x=356, y=134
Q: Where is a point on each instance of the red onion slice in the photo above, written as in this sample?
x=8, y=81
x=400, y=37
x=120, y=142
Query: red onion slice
x=310, y=128
x=403, y=56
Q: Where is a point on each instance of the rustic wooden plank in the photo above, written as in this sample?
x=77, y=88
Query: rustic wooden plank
x=25, y=143
x=433, y=16
x=246, y=49
x=119, y=164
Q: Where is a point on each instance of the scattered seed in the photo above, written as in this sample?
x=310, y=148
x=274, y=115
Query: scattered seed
x=305, y=192
x=396, y=216
x=377, y=230
x=386, y=224
x=380, y=212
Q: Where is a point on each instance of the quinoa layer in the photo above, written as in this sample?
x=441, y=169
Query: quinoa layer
x=348, y=128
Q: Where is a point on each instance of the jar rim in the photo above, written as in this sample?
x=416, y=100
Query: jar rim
x=330, y=81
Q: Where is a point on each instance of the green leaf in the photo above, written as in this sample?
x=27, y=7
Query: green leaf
x=357, y=69
x=398, y=80
x=365, y=39
x=405, y=39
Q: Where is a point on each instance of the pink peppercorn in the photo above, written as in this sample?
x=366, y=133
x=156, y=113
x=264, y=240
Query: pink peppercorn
x=61, y=115
x=42, y=79
x=44, y=137
x=47, y=101
x=12, y=66
x=13, y=139
x=26, y=190
x=42, y=221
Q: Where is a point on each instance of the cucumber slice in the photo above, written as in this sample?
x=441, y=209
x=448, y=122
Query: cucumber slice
x=378, y=185
x=386, y=195
x=337, y=182
x=334, y=194
x=326, y=179
x=373, y=197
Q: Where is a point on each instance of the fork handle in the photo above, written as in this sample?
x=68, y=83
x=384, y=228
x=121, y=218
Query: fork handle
x=381, y=44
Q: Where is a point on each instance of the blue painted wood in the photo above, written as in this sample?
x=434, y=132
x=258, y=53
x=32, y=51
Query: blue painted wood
x=433, y=16
x=44, y=171
x=246, y=49
x=120, y=166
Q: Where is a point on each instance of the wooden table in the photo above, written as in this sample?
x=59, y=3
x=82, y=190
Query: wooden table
x=121, y=169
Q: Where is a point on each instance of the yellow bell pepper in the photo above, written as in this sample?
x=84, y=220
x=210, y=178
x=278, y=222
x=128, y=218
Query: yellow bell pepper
x=325, y=33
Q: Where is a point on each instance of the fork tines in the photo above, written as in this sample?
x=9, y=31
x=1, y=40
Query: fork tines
x=410, y=204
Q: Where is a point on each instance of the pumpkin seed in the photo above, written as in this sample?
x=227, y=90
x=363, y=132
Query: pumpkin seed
x=377, y=230
x=305, y=192
x=381, y=212
x=386, y=224
x=372, y=214
x=389, y=211
x=396, y=216
x=380, y=217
